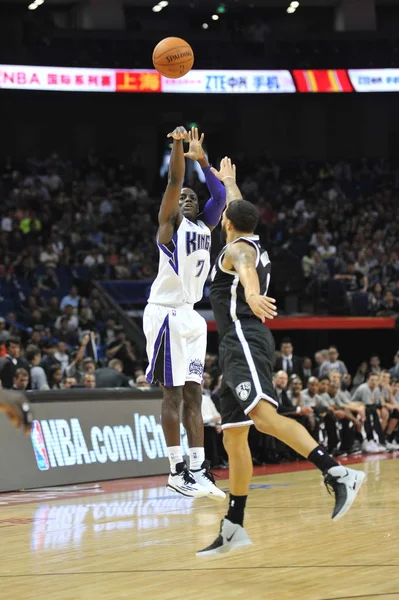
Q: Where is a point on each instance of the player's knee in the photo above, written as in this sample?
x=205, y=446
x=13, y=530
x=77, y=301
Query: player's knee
x=192, y=394
x=265, y=418
x=172, y=396
x=235, y=438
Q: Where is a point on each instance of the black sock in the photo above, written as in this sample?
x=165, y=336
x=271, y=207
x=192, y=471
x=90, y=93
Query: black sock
x=235, y=514
x=321, y=459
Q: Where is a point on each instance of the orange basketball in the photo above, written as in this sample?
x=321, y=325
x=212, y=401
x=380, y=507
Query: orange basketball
x=173, y=57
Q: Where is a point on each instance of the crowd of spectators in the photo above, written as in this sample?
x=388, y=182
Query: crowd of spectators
x=347, y=414
x=335, y=224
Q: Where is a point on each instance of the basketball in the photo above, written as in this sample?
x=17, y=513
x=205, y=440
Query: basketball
x=173, y=57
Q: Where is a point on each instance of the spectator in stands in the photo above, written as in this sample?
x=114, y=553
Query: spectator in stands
x=212, y=429
x=369, y=395
x=49, y=359
x=113, y=376
x=324, y=384
x=142, y=383
x=333, y=364
x=310, y=396
x=376, y=297
x=375, y=365
x=211, y=367
x=122, y=349
x=38, y=377
x=71, y=299
x=48, y=257
x=360, y=375
x=11, y=362
x=21, y=379
x=55, y=377
x=394, y=371
x=389, y=306
x=68, y=383
x=48, y=281
x=333, y=410
x=4, y=334
x=80, y=365
x=64, y=333
x=62, y=356
x=53, y=311
x=288, y=362
x=89, y=380
x=72, y=319
x=354, y=281
x=307, y=369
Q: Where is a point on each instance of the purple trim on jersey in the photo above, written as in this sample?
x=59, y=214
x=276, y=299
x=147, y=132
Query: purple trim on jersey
x=168, y=372
x=174, y=262
x=214, y=208
x=157, y=346
x=165, y=250
x=172, y=255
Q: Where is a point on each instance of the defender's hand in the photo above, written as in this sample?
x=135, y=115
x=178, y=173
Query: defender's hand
x=262, y=306
x=227, y=170
x=180, y=133
x=195, y=150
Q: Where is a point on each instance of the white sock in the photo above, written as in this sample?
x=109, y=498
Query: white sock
x=175, y=456
x=197, y=457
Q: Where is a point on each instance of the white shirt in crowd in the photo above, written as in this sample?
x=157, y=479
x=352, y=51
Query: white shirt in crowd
x=70, y=300
x=63, y=359
x=6, y=224
x=209, y=411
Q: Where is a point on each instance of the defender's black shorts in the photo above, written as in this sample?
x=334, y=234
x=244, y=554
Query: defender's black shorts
x=246, y=358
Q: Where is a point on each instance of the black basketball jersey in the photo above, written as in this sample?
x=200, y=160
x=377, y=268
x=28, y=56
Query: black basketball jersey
x=226, y=292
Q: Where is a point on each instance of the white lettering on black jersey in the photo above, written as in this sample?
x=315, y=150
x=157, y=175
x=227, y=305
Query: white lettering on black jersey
x=226, y=292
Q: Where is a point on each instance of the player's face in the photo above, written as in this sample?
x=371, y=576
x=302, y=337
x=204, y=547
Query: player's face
x=189, y=204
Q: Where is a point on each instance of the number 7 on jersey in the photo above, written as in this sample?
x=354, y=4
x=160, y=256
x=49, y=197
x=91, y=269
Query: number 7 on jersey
x=200, y=267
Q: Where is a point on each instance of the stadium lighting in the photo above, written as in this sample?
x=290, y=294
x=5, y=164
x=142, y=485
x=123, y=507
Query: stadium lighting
x=32, y=6
x=156, y=8
x=221, y=9
x=294, y=4
x=215, y=17
x=163, y=3
x=205, y=25
x=291, y=10
x=38, y=2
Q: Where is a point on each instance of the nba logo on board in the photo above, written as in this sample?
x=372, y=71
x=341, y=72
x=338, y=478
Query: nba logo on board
x=39, y=447
x=243, y=390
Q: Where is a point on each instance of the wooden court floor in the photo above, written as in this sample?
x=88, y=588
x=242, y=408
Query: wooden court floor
x=119, y=542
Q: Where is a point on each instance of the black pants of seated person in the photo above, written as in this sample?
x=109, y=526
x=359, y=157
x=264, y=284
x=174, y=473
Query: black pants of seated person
x=373, y=424
x=213, y=445
x=347, y=436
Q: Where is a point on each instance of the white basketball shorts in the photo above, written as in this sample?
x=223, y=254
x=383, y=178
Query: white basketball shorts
x=176, y=344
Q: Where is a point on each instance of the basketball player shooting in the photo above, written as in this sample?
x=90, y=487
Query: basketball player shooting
x=176, y=334
x=239, y=283
x=16, y=407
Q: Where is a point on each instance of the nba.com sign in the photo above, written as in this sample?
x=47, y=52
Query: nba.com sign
x=62, y=443
x=105, y=435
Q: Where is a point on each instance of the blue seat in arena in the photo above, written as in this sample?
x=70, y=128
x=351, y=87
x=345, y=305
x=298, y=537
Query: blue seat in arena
x=360, y=305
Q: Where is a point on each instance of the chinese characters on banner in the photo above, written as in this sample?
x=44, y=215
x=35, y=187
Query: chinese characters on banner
x=70, y=79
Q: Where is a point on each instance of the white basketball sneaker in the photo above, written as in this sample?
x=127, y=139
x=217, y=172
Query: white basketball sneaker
x=345, y=483
x=231, y=537
x=184, y=483
x=205, y=478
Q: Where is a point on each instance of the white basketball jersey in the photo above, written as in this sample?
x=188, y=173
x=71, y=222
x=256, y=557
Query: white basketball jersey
x=183, y=266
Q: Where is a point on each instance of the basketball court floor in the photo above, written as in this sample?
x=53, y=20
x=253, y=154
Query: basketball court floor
x=135, y=539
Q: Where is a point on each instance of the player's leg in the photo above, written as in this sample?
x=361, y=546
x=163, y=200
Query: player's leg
x=196, y=333
x=257, y=398
x=166, y=352
x=232, y=534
